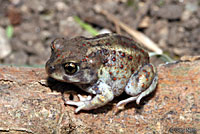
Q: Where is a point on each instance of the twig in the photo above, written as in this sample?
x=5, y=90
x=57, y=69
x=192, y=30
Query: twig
x=140, y=37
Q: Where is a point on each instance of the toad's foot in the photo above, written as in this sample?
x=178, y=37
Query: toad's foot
x=81, y=104
x=121, y=104
x=81, y=98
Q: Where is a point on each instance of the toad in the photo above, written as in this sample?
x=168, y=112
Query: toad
x=105, y=66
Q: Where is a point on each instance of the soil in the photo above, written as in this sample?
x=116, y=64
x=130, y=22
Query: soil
x=173, y=24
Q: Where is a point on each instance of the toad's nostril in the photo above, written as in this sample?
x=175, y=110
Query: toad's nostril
x=51, y=69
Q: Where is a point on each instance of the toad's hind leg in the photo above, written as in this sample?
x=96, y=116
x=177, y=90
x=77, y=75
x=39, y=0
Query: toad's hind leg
x=141, y=83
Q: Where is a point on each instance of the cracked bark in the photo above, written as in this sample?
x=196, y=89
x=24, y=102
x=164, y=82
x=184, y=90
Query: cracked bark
x=31, y=104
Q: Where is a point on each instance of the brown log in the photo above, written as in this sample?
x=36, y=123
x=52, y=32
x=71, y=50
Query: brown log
x=31, y=104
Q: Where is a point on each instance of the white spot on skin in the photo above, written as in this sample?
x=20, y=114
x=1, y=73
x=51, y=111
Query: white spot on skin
x=91, y=61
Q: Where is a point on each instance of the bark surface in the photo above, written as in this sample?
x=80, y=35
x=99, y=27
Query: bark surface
x=32, y=103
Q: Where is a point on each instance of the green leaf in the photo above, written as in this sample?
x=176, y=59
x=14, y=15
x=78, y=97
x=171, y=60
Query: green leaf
x=9, y=31
x=86, y=26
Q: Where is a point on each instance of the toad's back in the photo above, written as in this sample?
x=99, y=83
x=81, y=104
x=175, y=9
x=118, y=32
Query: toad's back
x=111, y=45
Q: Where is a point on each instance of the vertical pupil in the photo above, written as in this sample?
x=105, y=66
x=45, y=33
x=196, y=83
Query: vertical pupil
x=70, y=68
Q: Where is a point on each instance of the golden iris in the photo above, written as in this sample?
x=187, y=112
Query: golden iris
x=70, y=68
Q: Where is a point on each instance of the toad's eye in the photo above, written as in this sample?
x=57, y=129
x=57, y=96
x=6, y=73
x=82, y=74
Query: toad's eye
x=70, y=68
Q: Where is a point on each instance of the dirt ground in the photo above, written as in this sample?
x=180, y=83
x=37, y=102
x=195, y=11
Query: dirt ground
x=173, y=24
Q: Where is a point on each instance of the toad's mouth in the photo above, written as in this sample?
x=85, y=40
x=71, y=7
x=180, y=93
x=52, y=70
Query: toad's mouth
x=56, y=76
x=71, y=79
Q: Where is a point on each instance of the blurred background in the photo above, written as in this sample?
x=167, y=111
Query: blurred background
x=27, y=27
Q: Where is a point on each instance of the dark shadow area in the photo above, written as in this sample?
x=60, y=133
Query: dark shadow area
x=59, y=86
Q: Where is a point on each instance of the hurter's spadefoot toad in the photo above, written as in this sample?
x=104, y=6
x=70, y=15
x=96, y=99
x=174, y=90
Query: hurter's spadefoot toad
x=105, y=65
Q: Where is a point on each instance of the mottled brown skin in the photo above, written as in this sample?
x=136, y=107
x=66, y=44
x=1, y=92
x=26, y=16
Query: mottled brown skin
x=107, y=65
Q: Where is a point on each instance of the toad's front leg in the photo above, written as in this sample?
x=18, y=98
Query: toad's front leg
x=104, y=95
